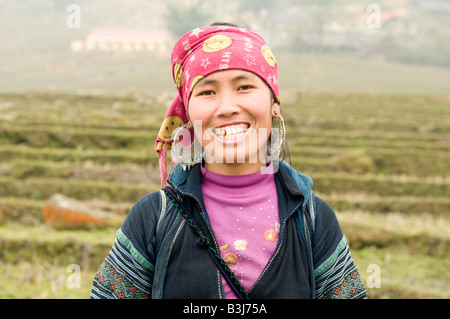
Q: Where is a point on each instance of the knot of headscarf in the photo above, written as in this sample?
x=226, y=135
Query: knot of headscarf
x=201, y=52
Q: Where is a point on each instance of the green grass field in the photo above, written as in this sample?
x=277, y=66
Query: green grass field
x=382, y=161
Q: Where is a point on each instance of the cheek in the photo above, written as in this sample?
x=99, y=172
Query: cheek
x=198, y=117
x=264, y=125
x=262, y=116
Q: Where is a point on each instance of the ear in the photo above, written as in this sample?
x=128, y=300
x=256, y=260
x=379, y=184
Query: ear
x=275, y=109
x=189, y=125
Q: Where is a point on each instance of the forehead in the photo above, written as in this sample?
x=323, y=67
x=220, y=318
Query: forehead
x=226, y=76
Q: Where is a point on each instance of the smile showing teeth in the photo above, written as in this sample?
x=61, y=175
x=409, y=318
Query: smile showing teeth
x=232, y=131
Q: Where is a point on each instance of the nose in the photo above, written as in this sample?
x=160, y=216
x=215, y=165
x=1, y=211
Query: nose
x=227, y=106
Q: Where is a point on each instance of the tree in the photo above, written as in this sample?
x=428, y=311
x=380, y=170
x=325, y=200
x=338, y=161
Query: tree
x=182, y=17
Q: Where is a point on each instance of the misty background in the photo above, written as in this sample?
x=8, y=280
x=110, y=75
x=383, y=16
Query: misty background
x=365, y=91
x=320, y=45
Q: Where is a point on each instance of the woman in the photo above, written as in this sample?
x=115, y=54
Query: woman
x=235, y=221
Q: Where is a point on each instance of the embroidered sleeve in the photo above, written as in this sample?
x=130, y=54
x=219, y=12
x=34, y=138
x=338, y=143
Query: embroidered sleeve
x=335, y=272
x=128, y=270
x=125, y=273
x=337, y=277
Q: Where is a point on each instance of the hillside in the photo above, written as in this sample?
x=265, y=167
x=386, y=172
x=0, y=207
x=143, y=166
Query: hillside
x=324, y=46
x=380, y=160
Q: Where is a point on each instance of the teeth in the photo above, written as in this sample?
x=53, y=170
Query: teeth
x=230, y=130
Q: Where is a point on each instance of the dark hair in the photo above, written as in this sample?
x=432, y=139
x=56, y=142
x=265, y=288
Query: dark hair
x=229, y=24
x=223, y=24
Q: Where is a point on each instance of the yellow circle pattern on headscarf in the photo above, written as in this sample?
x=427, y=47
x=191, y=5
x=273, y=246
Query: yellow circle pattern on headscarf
x=216, y=43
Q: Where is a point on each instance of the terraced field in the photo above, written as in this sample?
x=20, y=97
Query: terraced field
x=381, y=161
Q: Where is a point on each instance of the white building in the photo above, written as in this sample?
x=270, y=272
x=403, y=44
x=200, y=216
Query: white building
x=125, y=40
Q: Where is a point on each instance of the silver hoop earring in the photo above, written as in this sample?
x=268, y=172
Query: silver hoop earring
x=276, y=141
x=183, y=151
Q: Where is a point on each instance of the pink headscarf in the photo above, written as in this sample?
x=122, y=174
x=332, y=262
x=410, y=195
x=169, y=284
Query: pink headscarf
x=201, y=52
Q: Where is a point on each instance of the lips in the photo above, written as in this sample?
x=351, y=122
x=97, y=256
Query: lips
x=231, y=131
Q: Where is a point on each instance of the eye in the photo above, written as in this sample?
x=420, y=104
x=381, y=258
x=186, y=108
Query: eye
x=245, y=87
x=206, y=92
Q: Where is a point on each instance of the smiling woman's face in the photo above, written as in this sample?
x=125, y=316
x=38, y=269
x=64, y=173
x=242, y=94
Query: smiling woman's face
x=232, y=112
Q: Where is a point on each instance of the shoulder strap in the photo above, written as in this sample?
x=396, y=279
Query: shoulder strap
x=162, y=206
x=312, y=210
x=204, y=242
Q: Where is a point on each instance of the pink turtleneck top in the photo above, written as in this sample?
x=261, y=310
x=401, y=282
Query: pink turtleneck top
x=243, y=211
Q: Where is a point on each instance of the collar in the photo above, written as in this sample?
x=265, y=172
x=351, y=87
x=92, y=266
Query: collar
x=289, y=182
